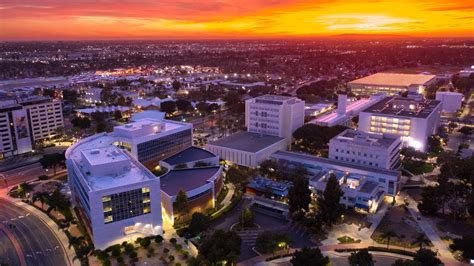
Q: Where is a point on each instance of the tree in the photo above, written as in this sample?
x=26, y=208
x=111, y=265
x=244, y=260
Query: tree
x=237, y=176
x=176, y=85
x=421, y=240
x=361, y=258
x=145, y=242
x=452, y=126
x=81, y=122
x=309, y=256
x=41, y=196
x=329, y=208
x=181, y=202
x=52, y=161
x=199, y=223
x=388, y=236
x=426, y=257
x=101, y=127
x=183, y=105
x=269, y=242
x=299, y=195
x=117, y=115
x=312, y=138
x=246, y=218
x=430, y=203
x=71, y=96
x=465, y=245
x=221, y=246
x=466, y=131
x=434, y=144
x=158, y=239
x=231, y=98
x=23, y=189
x=202, y=107
x=168, y=107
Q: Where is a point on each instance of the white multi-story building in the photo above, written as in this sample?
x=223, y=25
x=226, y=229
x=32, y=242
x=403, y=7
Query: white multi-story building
x=274, y=115
x=451, y=101
x=391, y=83
x=45, y=116
x=15, y=136
x=117, y=197
x=271, y=121
x=413, y=120
x=358, y=147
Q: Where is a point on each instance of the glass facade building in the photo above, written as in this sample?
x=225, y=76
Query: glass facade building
x=128, y=204
x=164, y=147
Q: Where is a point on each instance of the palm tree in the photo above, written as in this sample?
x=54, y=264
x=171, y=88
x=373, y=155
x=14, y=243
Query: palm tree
x=23, y=189
x=388, y=235
x=41, y=196
x=421, y=240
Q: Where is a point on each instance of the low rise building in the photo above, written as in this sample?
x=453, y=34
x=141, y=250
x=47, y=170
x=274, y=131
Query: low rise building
x=391, y=83
x=246, y=148
x=358, y=147
x=201, y=186
x=261, y=186
x=92, y=96
x=414, y=120
x=365, y=182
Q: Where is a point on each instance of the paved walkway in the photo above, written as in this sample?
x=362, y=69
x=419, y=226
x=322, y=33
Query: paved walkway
x=443, y=250
x=59, y=234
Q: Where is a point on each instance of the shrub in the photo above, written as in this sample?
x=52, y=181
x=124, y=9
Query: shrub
x=129, y=248
x=133, y=254
x=158, y=239
x=171, y=258
x=120, y=260
x=178, y=247
x=165, y=250
x=173, y=241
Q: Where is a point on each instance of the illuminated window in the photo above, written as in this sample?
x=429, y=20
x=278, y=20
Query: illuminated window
x=146, y=200
x=395, y=120
x=107, y=209
x=146, y=210
x=108, y=219
x=105, y=198
x=145, y=189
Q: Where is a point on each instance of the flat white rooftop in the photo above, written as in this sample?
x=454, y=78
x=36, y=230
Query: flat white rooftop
x=393, y=79
x=103, y=143
x=148, y=128
x=366, y=139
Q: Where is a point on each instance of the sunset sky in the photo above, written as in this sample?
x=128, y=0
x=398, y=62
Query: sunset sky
x=162, y=19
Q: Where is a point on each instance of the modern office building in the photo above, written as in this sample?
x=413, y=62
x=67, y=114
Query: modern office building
x=451, y=101
x=364, y=186
x=15, y=135
x=45, y=116
x=151, y=140
x=274, y=115
x=201, y=185
x=358, y=147
x=271, y=121
x=117, y=197
x=391, y=83
x=414, y=120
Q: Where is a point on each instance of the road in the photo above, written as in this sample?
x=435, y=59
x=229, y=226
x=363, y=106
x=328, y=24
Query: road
x=25, y=173
x=36, y=241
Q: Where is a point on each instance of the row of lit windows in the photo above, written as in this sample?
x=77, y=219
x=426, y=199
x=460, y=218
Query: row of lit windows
x=395, y=126
x=385, y=130
x=390, y=120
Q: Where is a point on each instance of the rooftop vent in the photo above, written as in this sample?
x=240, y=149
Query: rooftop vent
x=95, y=152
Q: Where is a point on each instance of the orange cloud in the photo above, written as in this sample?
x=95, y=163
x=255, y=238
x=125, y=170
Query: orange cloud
x=143, y=19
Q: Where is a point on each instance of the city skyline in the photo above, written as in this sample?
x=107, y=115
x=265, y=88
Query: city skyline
x=84, y=20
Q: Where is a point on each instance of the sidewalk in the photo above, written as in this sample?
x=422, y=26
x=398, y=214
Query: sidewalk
x=444, y=254
x=69, y=253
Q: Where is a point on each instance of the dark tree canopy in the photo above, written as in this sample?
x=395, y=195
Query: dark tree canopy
x=309, y=256
x=361, y=258
x=269, y=242
x=199, y=223
x=168, y=107
x=426, y=257
x=465, y=245
x=299, y=195
x=330, y=210
x=221, y=246
x=312, y=138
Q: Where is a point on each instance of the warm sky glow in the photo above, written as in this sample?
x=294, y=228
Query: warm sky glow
x=149, y=19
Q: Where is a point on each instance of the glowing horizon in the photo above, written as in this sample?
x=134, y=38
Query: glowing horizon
x=146, y=19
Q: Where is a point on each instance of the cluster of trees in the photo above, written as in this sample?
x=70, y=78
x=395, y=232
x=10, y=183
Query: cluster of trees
x=81, y=122
x=108, y=96
x=312, y=138
x=239, y=176
x=52, y=161
x=454, y=191
x=309, y=256
x=55, y=201
x=218, y=247
x=464, y=84
x=323, y=89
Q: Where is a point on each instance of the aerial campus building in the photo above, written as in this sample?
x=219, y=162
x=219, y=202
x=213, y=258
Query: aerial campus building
x=451, y=101
x=364, y=186
x=271, y=121
x=391, y=83
x=119, y=198
x=362, y=148
x=414, y=120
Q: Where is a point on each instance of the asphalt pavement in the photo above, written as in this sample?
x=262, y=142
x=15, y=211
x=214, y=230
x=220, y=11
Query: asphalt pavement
x=38, y=243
